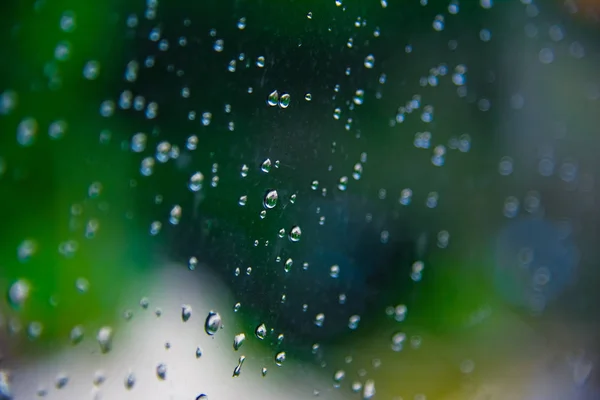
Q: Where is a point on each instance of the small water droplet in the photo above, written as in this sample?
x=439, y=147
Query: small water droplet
x=238, y=369
x=18, y=293
x=263, y=371
x=196, y=181
x=287, y=266
x=369, y=61
x=129, y=381
x=161, y=371
x=273, y=98
x=369, y=389
x=104, y=338
x=186, y=312
x=76, y=335
x=334, y=271
x=398, y=341
x=319, y=319
x=61, y=381
x=238, y=341
x=284, y=101
x=266, y=166
x=338, y=376
x=353, y=322
x=280, y=358
x=243, y=200
x=198, y=352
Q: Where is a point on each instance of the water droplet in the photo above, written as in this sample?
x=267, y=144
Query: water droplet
x=334, y=271
x=219, y=45
x=238, y=369
x=186, y=312
x=271, y=198
x=241, y=23
x=284, y=101
x=398, y=341
x=339, y=375
x=144, y=303
x=91, y=70
x=369, y=389
x=161, y=371
x=198, y=352
x=261, y=331
x=343, y=183
x=353, y=322
x=196, y=181
x=243, y=200
x=104, y=338
x=34, y=330
x=369, y=61
x=213, y=323
x=18, y=293
x=287, y=266
x=61, y=381
x=238, y=341
x=27, y=131
x=244, y=171
x=202, y=397
x=266, y=166
x=359, y=97
x=129, y=381
x=76, y=335
x=319, y=319
x=263, y=371
x=295, y=234
x=192, y=264
x=273, y=98
x=280, y=358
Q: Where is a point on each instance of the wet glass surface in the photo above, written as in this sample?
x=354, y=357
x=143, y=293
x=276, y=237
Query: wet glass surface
x=296, y=199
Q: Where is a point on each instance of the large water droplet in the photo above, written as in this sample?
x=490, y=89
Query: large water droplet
x=295, y=233
x=213, y=323
x=271, y=198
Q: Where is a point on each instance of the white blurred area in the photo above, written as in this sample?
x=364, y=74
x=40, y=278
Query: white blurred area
x=139, y=346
